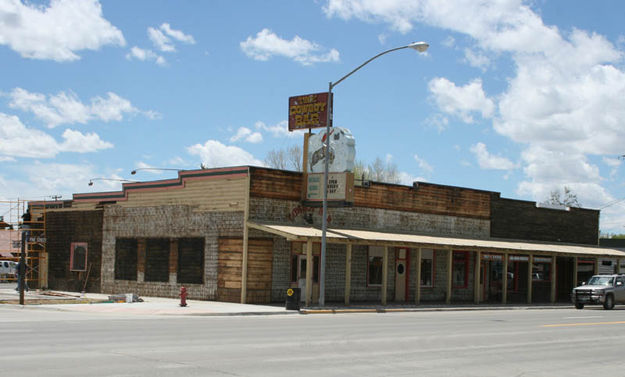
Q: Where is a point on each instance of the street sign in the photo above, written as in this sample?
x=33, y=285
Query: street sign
x=309, y=111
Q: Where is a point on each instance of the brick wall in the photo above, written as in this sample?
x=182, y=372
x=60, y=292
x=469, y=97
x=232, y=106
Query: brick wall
x=63, y=228
x=166, y=222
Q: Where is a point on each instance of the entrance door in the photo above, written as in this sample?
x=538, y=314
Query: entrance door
x=492, y=278
x=401, y=271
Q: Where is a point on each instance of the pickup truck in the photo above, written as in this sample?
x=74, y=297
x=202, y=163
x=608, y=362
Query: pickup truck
x=606, y=290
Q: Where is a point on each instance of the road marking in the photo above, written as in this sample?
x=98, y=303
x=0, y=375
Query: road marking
x=590, y=316
x=585, y=324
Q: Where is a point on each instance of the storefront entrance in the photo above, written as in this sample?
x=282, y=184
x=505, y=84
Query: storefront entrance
x=401, y=274
x=492, y=277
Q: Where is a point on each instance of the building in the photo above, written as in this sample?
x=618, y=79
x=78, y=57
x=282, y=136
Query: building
x=243, y=234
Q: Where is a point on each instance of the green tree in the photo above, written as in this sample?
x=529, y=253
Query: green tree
x=564, y=198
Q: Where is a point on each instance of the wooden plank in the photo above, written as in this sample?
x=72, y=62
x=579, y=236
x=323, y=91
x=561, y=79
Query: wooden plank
x=384, y=274
x=418, y=277
x=449, y=275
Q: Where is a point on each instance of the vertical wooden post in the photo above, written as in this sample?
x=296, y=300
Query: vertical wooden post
x=476, y=279
x=309, y=270
x=617, y=269
x=244, y=257
x=596, y=272
x=554, y=276
x=530, y=265
x=384, y=274
x=348, y=272
x=504, y=282
x=575, y=272
x=417, y=292
x=450, y=255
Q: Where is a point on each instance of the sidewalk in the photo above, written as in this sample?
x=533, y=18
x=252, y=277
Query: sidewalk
x=100, y=303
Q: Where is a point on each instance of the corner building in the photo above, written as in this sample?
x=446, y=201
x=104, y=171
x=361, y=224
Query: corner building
x=243, y=234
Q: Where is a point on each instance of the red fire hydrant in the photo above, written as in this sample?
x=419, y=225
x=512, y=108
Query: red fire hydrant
x=183, y=296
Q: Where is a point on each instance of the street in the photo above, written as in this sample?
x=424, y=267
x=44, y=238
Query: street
x=558, y=342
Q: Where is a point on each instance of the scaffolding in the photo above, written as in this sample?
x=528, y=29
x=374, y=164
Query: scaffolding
x=14, y=227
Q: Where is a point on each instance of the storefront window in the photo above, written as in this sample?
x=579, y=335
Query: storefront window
x=427, y=267
x=298, y=262
x=460, y=269
x=374, y=265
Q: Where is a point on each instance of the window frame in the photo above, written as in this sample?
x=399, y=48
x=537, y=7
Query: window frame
x=432, y=260
x=460, y=256
x=376, y=250
x=72, y=249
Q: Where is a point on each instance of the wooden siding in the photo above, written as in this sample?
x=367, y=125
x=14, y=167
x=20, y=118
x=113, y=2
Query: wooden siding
x=260, y=255
x=426, y=198
x=205, y=195
x=276, y=184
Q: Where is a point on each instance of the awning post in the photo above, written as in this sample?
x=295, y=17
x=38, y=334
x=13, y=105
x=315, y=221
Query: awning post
x=476, y=278
x=417, y=293
x=384, y=275
x=348, y=272
x=450, y=253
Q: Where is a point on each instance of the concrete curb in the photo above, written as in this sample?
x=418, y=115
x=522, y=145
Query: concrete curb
x=427, y=309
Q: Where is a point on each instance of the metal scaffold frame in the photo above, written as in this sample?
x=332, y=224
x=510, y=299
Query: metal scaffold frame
x=13, y=227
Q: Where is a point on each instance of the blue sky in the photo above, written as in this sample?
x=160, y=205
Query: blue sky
x=519, y=97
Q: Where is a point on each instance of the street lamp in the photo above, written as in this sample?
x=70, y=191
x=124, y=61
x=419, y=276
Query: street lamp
x=420, y=47
x=157, y=169
x=109, y=179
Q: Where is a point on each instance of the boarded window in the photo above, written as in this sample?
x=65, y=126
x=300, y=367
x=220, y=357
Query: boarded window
x=78, y=256
x=157, y=259
x=191, y=260
x=126, y=259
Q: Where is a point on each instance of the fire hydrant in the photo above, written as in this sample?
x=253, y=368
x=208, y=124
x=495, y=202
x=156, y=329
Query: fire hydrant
x=183, y=296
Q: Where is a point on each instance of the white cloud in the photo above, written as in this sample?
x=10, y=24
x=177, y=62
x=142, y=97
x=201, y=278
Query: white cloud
x=75, y=141
x=491, y=162
x=161, y=37
x=449, y=42
x=267, y=44
x=58, y=31
x=564, y=100
x=66, y=108
x=160, y=40
x=423, y=164
x=280, y=129
x=244, y=133
x=145, y=55
x=177, y=34
x=476, y=59
x=461, y=101
x=17, y=140
x=408, y=179
x=215, y=154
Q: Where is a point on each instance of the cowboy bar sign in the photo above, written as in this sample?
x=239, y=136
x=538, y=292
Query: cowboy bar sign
x=309, y=111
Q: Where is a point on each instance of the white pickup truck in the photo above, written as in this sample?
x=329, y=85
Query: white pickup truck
x=606, y=290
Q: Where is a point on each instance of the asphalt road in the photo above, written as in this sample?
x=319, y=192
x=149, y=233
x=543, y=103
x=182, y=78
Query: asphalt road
x=558, y=342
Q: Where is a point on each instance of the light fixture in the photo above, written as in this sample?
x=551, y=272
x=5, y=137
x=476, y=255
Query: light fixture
x=109, y=179
x=157, y=169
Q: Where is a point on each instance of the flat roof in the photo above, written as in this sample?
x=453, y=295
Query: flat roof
x=381, y=238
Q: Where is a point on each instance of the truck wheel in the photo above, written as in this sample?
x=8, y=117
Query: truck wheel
x=609, y=302
x=579, y=305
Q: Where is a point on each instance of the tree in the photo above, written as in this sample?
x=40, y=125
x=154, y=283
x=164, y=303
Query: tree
x=566, y=199
x=378, y=171
x=285, y=159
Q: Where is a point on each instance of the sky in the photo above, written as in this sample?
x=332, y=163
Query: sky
x=518, y=97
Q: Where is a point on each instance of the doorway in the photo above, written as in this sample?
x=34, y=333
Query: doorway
x=492, y=277
x=402, y=257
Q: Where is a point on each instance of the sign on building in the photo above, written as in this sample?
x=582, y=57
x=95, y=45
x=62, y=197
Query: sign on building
x=340, y=187
x=309, y=111
x=342, y=151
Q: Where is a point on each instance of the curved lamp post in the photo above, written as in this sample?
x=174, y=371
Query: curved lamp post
x=156, y=169
x=109, y=179
x=420, y=47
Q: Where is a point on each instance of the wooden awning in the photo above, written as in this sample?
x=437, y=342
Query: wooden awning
x=373, y=237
